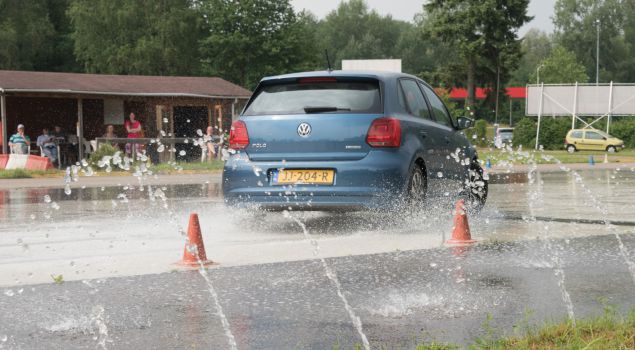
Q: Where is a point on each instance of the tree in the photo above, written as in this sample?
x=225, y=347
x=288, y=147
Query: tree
x=249, y=39
x=353, y=32
x=147, y=37
x=536, y=45
x=483, y=32
x=26, y=35
x=576, y=30
x=561, y=67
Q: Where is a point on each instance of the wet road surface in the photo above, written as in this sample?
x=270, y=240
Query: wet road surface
x=402, y=298
x=115, y=247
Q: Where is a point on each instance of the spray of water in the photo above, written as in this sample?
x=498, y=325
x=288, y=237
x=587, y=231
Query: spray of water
x=332, y=276
x=601, y=208
x=231, y=340
x=535, y=197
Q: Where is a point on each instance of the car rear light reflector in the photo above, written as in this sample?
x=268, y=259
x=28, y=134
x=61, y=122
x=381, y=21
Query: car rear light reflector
x=238, y=136
x=384, y=132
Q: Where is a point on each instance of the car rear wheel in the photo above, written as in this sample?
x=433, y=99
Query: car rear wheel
x=476, y=188
x=611, y=149
x=571, y=148
x=417, y=187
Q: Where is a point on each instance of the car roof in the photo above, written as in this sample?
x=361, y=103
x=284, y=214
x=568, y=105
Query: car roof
x=380, y=75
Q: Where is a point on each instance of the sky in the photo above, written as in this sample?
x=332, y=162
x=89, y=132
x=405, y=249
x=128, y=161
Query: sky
x=542, y=10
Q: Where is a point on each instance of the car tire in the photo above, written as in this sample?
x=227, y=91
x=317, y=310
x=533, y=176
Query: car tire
x=571, y=149
x=611, y=149
x=476, y=188
x=417, y=187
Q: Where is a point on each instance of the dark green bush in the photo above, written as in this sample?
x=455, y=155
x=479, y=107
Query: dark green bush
x=552, y=132
x=478, y=133
x=105, y=149
x=525, y=133
x=625, y=130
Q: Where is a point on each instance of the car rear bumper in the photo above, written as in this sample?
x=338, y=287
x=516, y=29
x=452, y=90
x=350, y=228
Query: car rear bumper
x=373, y=182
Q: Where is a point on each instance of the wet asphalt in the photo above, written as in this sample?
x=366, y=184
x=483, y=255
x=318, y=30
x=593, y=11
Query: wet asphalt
x=542, y=243
x=402, y=298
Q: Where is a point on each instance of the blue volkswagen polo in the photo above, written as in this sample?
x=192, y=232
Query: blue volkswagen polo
x=345, y=140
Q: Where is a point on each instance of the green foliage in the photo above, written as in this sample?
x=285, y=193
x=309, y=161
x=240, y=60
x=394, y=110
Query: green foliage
x=552, y=133
x=561, y=67
x=136, y=36
x=483, y=33
x=525, y=133
x=576, y=30
x=58, y=279
x=250, y=39
x=27, y=35
x=478, y=134
x=103, y=150
x=624, y=129
x=536, y=46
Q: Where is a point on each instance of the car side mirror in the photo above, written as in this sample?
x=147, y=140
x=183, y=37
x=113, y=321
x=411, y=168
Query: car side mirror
x=464, y=123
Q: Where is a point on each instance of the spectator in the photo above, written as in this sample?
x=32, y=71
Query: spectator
x=209, y=150
x=133, y=127
x=59, y=134
x=19, y=142
x=47, y=143
x=110, y=134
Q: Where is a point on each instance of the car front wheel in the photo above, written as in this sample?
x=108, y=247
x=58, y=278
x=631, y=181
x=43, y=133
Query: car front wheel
x=476, y=187
x=611, y=149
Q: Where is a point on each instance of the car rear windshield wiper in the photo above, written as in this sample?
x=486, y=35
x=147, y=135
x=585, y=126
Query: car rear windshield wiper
x=322, y=109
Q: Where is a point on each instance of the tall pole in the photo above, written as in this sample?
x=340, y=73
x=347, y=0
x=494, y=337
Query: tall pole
x=538, y=73
x=510, y=112
x=3, y=114
x=498, y=82
x=597, y=53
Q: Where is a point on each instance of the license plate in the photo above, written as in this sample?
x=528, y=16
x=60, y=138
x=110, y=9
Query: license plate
x=304, y=176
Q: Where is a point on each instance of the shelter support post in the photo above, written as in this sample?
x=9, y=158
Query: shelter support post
x=3, y=114
x=542, y=91
x=80, y=127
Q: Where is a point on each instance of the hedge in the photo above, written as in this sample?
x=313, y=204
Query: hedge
x=554, y=130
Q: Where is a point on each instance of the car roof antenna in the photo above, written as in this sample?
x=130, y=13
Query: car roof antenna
x=328, y=60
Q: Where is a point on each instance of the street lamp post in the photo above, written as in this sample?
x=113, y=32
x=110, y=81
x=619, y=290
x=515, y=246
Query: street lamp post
x=597, y=53
x=538, y=73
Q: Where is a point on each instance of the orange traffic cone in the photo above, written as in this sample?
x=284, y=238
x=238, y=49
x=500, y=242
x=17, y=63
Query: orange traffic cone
x=461, y=229
x=194, y=252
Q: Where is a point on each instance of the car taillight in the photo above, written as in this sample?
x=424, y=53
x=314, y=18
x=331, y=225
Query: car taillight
x=384, y=132
x=238, y=136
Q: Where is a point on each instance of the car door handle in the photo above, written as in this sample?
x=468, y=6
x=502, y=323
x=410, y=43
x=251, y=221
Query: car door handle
x=423, y=133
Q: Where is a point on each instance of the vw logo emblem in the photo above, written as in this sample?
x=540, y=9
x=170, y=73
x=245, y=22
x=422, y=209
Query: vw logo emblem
x=304, y=129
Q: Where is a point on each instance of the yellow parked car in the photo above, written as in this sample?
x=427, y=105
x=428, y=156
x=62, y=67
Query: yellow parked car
x=591, y=140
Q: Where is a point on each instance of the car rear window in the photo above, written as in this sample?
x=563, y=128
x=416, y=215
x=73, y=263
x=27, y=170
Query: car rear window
x=327, y=96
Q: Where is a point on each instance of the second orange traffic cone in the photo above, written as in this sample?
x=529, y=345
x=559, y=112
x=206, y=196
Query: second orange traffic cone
x=194, y=252
x=461, y=230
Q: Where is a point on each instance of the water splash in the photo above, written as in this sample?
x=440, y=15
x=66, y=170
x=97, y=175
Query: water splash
x=332, y=276
x=231, y=340
x=535, y=196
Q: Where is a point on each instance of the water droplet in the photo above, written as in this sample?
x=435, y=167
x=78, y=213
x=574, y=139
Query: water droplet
x=440, y=174
x=9, y=292
x=67, y=189
x=199, y=132
x=47, y=199
x=165, y=120
x=182, y=153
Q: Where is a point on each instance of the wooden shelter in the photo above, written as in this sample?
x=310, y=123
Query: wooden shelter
x=84, y=104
